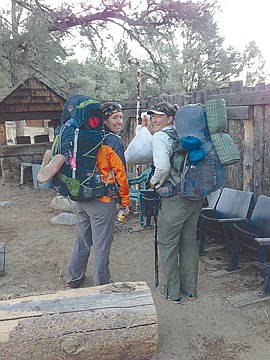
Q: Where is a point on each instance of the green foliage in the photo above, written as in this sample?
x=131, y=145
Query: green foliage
x=27, y=46
x=206, y=63
x=182, y=49
x=254, y=64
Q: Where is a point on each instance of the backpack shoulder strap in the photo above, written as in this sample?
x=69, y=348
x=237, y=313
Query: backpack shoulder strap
x=171, y=133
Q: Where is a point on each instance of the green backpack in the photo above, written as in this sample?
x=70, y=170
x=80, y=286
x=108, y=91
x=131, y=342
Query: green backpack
x=78, y=138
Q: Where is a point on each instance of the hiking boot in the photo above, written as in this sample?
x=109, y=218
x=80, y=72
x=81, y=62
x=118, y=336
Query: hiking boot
x=161, y=290
x=177, y=301
x=190, y=296
x=75, y=284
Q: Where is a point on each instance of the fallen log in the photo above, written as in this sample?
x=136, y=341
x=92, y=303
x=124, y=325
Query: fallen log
x=111, y=322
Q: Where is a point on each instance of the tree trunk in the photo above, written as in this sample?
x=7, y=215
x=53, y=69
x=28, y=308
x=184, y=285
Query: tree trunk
x=111, y=322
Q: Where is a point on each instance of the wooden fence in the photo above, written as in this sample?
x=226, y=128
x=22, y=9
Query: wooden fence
x=248, y=112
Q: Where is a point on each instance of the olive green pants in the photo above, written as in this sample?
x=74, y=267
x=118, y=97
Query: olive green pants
x=179, y=253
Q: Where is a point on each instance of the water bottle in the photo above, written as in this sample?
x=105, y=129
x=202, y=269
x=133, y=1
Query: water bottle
x=97, y=177
x=72, y=162
x=121, y=214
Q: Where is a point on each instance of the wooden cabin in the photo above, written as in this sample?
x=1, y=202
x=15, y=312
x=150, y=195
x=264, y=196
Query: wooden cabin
x=31, y=100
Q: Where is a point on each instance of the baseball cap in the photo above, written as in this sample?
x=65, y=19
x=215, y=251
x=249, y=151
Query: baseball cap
x=162, y=108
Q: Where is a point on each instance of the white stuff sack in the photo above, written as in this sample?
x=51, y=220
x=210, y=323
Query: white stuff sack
x=140, y=150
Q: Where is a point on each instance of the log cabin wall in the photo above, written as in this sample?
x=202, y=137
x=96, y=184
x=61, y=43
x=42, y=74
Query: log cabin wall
x=248, y=112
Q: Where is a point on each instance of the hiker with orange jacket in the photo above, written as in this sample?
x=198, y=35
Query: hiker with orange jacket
x=96, y=218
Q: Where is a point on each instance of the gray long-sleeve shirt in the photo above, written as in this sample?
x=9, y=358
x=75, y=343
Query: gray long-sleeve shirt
x=162, y=151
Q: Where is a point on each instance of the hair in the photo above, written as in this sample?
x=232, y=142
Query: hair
x=176, y=107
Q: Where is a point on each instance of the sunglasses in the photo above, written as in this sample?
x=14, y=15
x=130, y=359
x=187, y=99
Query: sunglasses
x=161, y=108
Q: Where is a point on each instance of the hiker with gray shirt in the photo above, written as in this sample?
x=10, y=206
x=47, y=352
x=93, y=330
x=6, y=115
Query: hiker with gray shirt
x=177, y=216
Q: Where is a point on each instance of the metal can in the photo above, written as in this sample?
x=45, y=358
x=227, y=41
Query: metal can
x=120, y=215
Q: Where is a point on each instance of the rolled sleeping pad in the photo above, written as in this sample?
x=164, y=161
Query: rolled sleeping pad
x=217, y=122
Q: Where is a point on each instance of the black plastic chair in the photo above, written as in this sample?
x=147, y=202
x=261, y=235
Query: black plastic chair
x=254, y=238
x=233, y=206
x=265, y=272
x=254, y=234
x=213, y=198
x=210, y=203
x=150, y=201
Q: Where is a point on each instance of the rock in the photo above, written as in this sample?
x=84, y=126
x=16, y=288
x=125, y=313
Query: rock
x=7, y=203
x=61, y=203
x=64, y=219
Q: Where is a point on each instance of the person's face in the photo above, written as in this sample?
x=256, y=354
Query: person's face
x=160, y=121
x=114, y=122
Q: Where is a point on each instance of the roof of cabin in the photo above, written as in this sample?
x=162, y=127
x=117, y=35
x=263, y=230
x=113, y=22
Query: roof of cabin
x=31, y=100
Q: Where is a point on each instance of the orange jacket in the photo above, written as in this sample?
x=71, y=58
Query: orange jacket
x=111, y=157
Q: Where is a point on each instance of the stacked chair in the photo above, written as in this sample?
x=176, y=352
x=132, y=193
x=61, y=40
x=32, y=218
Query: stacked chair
x=210, y=203
x=233, y=206
x=254, y=238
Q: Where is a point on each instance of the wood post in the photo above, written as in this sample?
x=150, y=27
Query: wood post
x=111, y=322
x=3, y=137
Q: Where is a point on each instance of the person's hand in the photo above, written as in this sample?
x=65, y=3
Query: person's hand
x=126, y=212
x=152, y=186
x=146, y=122
x=145, y=119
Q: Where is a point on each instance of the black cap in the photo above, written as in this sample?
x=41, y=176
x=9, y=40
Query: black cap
x=162, y=108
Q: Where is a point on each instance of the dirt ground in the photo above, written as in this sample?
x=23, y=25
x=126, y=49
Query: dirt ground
x=208, y=328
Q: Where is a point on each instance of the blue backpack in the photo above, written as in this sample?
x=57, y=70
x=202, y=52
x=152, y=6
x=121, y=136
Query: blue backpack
x=78, y=138
x=194, y=155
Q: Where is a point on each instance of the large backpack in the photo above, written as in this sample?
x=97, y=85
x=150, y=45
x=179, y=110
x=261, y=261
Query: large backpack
x=78, y=138
x=194, y=155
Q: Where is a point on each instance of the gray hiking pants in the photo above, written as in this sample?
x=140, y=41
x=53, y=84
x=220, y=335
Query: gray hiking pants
x=179, y=253
x=95, y=228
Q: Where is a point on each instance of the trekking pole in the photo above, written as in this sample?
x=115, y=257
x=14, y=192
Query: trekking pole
x=152, y=196
x=156, y=240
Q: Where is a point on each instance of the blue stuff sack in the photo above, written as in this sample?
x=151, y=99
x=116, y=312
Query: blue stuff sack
x=202, y=171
